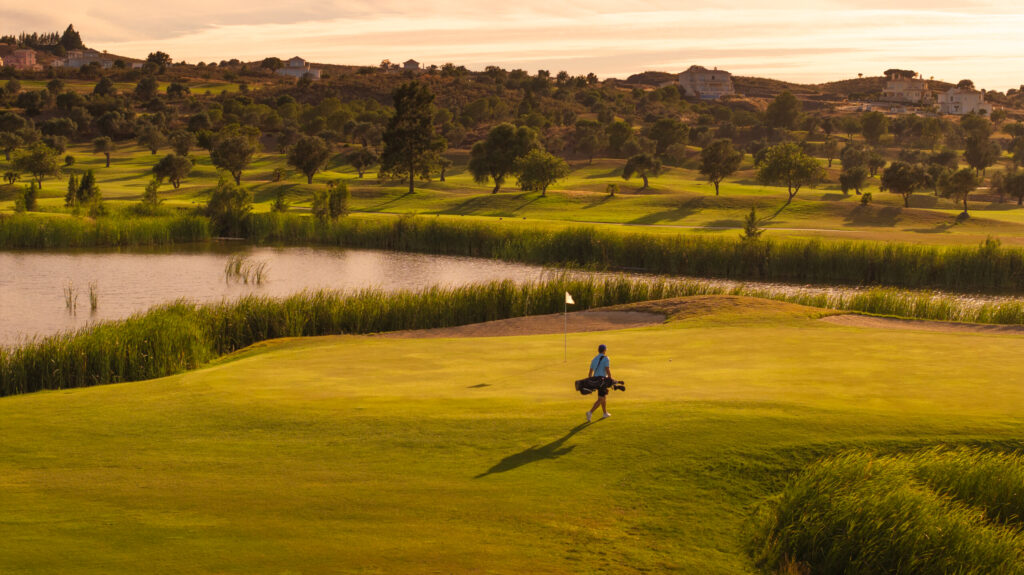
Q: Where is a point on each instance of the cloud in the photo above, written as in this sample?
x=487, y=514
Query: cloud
x=796, y=39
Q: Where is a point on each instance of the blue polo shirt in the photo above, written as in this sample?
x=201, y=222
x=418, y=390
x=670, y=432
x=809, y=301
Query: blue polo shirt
x=600, y=365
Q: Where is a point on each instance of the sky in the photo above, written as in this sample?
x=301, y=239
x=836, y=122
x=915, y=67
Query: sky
x=793, y=40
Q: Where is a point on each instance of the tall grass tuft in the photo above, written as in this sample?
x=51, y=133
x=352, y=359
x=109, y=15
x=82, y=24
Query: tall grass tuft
x=239, y=268
x=859, y=513
x=94, y=296
x=71, y=298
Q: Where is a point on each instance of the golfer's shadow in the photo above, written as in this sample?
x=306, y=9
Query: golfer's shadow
x=553, y=450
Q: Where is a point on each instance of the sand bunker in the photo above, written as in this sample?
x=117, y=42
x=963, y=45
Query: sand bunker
x=579, y=321
x=854, y=320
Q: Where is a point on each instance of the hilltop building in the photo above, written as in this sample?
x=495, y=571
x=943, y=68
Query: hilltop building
x=75, y=59
x=907, y=89
x=963, y=101
x=411, y=65
x=299, y=68
x=23, y=60
x=706, y=84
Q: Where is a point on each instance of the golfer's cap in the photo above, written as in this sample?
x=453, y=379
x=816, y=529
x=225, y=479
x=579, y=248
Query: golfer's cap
x=601, y=347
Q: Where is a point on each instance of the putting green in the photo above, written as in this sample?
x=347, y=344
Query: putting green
x=378, y=455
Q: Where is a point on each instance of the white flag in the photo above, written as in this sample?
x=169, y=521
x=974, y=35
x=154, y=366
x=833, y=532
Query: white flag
x=568, y=299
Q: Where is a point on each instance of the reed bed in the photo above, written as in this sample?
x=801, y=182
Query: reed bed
x=172, y=338
x=25, y=231
x=925, y=513
x=987, y=268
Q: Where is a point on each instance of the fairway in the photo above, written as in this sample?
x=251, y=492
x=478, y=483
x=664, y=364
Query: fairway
x=365, y=454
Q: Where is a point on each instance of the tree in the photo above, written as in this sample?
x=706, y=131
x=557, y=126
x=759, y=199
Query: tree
x=959, y=185
x=904, y=179
x=976, y=126
x=786, y=165
x=272, y=64
x=874, y=125
x=875, y=161
x=495, y=157
x=71, y=39
x=159, y=59
x=9, y=141
x=309, y=155
x=178, y=90
x=105, y=87
x=229, y=209
x=173, y=168
x=643, y=165
x=409, y=140
x=853, y=179
x=830, y=149
x=182, y=142
x=152, y=138
x=783, y=111
x=146, y=89
x=618, y=133
x=81, y=192
x=538, y=169
x=718, y=161
x=338, y=198
x=362, y=159
x=40, y=160
x=980, y=153
x=233, y=148
x=668, y=131
x=850, y=125
x=103, y=145
x=588, y=138
x=30, y=196
x=1013, y=184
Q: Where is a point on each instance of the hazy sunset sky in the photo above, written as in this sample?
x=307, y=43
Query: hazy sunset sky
x=795, y=40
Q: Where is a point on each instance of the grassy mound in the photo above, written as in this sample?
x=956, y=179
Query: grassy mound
x=931, y=512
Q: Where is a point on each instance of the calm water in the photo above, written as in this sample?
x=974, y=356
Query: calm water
x=32, y=284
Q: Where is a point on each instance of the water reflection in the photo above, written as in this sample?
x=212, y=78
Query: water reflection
x=32, y=298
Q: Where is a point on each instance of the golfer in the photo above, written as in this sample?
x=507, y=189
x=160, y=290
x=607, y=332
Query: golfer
x=600, y=366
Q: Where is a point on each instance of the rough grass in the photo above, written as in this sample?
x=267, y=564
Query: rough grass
x=932, y=512
x=357, y=454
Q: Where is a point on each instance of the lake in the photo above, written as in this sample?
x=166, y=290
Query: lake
x=34, y=302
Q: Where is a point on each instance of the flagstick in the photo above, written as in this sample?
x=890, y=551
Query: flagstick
x=565, y=341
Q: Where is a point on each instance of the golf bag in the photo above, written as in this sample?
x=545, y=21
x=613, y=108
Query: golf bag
x=591, y=384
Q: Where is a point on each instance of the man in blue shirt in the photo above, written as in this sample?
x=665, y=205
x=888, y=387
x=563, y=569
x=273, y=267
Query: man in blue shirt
x=600, y=366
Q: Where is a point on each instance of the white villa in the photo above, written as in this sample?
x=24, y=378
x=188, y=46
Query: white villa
x=962, y=101
x=24, y=59
x=913, y=90
x=298, y=68
x=706, y=84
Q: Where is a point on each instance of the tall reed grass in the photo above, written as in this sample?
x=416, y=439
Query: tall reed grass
x=987, y=268
x=180, y=336
x=35, y=231
x=926, y=513
x=240, y=268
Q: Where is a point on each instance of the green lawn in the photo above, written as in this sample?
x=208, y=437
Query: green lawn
x=679, y=200
x=371, y=455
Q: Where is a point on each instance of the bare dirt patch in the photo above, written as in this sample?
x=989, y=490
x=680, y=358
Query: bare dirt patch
x=579, y=321
x=854, y=320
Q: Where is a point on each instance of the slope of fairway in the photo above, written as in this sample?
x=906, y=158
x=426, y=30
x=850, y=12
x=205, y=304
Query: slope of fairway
x=468, y=455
